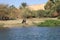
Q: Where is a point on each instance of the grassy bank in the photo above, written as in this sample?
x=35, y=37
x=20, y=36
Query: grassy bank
x=49, y=23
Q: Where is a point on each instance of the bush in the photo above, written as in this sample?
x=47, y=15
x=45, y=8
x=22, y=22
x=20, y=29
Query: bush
x=42, y=13
x=49, y=23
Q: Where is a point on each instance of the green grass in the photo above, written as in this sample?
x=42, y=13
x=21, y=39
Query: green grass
x=49, y=23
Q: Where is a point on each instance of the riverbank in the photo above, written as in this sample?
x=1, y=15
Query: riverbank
x=29, y=22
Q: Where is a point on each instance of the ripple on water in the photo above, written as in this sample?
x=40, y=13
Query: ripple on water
x=31, y=33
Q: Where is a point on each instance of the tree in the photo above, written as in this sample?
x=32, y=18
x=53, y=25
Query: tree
x=12, y=7
x=53, y=6
x=25, y=11
x=42, y=13
x=48, y=5
x=4, y=11
x=23, y=5
x=13, y=12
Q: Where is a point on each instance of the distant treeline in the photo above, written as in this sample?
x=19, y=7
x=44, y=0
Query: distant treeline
x=52, y=9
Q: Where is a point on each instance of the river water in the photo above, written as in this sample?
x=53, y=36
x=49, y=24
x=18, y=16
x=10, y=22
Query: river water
x=30, y=33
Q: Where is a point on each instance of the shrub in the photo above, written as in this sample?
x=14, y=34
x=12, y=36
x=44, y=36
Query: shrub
x=42, y=13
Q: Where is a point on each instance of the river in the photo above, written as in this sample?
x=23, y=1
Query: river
x=30, y=33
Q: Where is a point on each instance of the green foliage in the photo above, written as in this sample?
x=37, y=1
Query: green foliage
x=23, y=5
x=4, y=11
x=42, y=13
x=26, y=12
x=12, y=7
x=53, y=6
x=48, y=5
x=7, y=11
x=49, y=23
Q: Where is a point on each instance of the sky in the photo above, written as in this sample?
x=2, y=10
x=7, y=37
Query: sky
x=17, y=3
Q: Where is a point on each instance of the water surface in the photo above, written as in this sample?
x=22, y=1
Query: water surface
x=30, y=33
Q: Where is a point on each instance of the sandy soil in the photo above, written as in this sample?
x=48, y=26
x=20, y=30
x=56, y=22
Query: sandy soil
x=15, y=23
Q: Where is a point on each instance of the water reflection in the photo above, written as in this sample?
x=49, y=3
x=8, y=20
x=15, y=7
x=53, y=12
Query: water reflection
x=32, y=33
